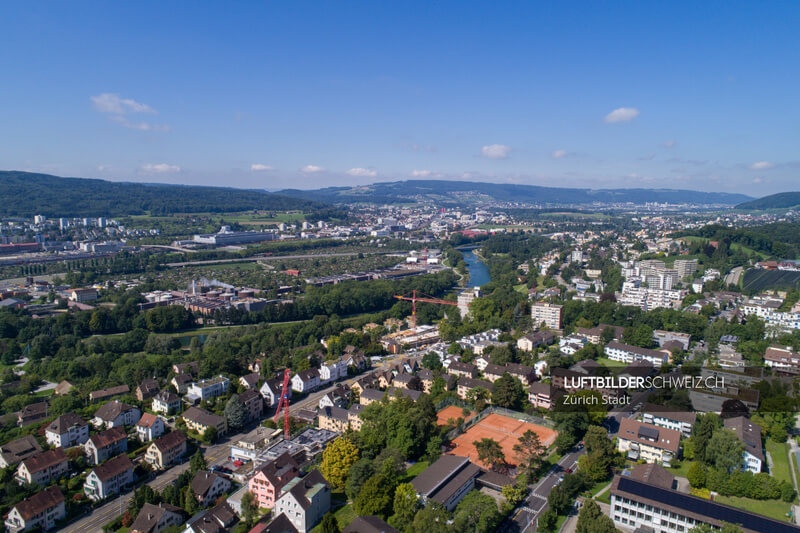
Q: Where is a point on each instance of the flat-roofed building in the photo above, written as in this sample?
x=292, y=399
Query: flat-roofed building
x=446, y=481
x=548, y=314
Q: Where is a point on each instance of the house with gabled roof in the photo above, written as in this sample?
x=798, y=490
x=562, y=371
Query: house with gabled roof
x=305, y=500
x=42, y=468
x=116, y=414
x=166, y=450
x=103, y=446
x=42, y=510
x=66, y=431
x=270, y=478
x=149, y=427
x=157, y=518
x=112, y=477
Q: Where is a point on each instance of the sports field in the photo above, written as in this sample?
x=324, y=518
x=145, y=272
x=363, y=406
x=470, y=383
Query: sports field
x=504, y=430
x=451, y=411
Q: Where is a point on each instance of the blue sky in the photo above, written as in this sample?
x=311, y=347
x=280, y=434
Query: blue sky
x=303, y=94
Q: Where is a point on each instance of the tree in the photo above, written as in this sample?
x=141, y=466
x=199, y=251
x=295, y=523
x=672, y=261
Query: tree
x=431, y=361
x=592, y=520
x=725, y=450
x=515, y=493
x=190, y=502
x=198, y=462
x=249, y=509
x=530, y=450
x=702, y=432
x=210, y=434
x=431, y=519
x=476, y=513
x=696, y=475
x=329, y=524
x=337, y=459
x=508, y=392
x=489, y=452
x=376, y=496
x=406, y=505
x=546, y=523
x=360, y=472
x=235, y=413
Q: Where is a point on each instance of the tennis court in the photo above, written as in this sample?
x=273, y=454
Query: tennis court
x=505, y=430
x=451, y=411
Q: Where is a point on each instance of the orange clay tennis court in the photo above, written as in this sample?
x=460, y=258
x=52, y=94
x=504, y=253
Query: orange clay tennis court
x=451, y=411
x=504, y=430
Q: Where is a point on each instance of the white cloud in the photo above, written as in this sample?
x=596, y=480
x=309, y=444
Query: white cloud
x=420, y=173
x=362, y=172
x=558, y=154
x=259, y=166
x=112, y=103
x=116, y=108
x=669, y=144
x=310, y=169
x=622, y=114
x=761, y=165
x=758, y=180
x=496, y=151
x=160, y=168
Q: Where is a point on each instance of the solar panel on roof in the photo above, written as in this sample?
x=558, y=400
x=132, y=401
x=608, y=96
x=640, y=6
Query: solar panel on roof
x=707, y=508
x=648, y=433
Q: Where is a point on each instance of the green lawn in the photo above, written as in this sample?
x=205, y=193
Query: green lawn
x=605, y=497
x=608, y=363
x=779, y=451
x=680, y=468
x=344, y=514
x=41, y=394
x=794, y=465
x=415, y=470
x=773, y=508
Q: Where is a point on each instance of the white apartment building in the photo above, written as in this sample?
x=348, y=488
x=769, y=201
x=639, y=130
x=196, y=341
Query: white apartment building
x=66, y=431
x=465, y=298
x=625, y=353
x=206, y=389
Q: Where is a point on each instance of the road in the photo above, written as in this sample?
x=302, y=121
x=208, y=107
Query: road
x=524, y=519
x=272, y=258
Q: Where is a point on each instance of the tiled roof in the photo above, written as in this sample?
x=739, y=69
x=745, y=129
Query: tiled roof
x=113, y=467
x=46, y=459
x=40, y=502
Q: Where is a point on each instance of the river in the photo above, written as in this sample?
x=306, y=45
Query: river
x=478, y=271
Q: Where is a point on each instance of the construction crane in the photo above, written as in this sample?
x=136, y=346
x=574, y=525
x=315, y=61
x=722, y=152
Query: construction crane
x=284, y=403
x=425, y=299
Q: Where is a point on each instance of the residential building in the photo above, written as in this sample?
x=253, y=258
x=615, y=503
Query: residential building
x=339, y=420
x=653, y=444
x=457, y=368
x=66, y=431
x=42, y=468
x=270, y=478
x=279, y=524
x=685, y=267
x=207, y=389
x=157, y=518
x=41, y=511
x=103, y=446
x=406, y=381
x=271, y=391
x=782, y=359
x=332, y=370
x=467, y=384
x=338, y=397
x=250, y=381
x=305, y=500
x=32, y=413
x=116, y=414
x=543, y=396
x=166, y=402
x=106, y=394
x=548, y=314
x=647, y=500
x=149, y=427
x=664, y=337
x=220, y=519
x=465, y=298
x=166, y=450
x=191, y=368
x=446, y=481
x=181, y=382
x=18, y=450
x=82, y=296
x=146, y=389
x=111, y=477
x=208, y=486
x=750, y=434
x=199, y=420
x=306, y=380
x=625, y=353
x=670, y=418
x=253, y=404
x=528, y=343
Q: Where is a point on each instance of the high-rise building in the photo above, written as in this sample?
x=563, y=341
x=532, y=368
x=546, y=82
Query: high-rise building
x=685, y=267
x=547, y=313
x=465, y=298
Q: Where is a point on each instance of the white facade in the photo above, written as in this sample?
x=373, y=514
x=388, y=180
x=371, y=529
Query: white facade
x=209, y=388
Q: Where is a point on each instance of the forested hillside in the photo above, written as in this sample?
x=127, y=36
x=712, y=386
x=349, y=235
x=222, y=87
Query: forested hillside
x=27, y=194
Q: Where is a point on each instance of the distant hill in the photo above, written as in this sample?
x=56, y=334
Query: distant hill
x=27, y=194
x=782, y=200
x=467, y=192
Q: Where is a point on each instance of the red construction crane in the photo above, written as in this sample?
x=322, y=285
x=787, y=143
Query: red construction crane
x=284, y=403
x=425, y=299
